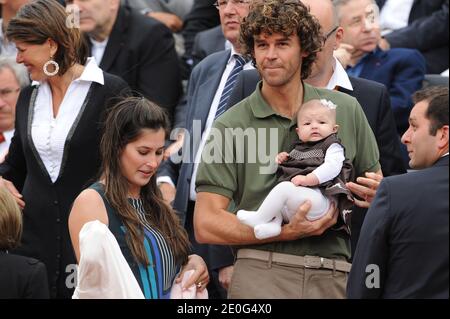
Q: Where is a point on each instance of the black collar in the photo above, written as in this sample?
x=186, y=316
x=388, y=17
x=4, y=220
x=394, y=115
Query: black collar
x=117, y=38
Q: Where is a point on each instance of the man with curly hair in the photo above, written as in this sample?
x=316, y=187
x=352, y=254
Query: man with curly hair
x=209, y=88
x=308, y=259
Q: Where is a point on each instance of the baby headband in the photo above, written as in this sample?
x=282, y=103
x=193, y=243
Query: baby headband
x=328, y=104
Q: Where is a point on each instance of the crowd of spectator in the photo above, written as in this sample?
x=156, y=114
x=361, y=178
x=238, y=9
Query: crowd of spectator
x=161, y=119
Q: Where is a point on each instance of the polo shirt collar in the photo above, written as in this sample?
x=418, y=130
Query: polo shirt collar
x=261, y=109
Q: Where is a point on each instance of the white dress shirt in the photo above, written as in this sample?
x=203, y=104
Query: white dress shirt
x=4, y=146
x=395, y=15
x=211, y=117
x=98, y=49
x=339, y=77
x=49, y=133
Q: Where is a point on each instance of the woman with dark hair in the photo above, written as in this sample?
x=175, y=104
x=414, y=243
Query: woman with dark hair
x=55, y=150
x=128, y=201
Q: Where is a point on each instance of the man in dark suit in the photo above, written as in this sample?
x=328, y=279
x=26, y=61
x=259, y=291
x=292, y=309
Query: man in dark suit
x=403, y=250
x=203, y=16
x=402, y=71
x=208, y=42
x=135, y=47
x=209, y=87
x=427, y=31
x=373, y=97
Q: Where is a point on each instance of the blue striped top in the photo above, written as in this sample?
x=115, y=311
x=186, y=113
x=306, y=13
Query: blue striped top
x=155, y=279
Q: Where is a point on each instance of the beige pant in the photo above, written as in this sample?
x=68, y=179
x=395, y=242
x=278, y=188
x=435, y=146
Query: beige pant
x=256, y=279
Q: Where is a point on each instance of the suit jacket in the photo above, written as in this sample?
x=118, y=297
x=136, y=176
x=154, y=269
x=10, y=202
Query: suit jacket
x=141, y=51
x=208, y=42
x=402, y=71
x=427, y=32
x=405, y=235
x=22, y=278
x=203, y=16
x=374, y=100
x=203, y=84
x=45, y=230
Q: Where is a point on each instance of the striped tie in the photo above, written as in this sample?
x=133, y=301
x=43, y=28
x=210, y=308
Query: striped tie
x=238, y=67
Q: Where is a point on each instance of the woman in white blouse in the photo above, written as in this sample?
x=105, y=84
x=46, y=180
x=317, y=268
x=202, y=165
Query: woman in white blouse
x=54, y=153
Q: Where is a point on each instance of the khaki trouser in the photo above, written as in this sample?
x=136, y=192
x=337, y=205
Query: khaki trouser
x=259, y=279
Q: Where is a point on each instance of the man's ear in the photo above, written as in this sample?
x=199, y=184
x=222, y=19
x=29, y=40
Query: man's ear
x=442, y=135
x=339, y=37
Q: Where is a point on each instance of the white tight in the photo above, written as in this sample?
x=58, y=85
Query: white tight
x=281, y=204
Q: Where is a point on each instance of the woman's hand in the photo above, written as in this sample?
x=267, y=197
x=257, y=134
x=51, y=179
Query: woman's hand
x=225, y=275
x=200, y=277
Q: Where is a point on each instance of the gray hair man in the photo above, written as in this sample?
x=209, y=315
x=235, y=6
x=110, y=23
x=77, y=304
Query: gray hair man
x=13, y=77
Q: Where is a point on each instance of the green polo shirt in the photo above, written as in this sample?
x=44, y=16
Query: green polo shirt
x=238, y=159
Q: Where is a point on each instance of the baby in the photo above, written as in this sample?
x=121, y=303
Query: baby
x=315, y=170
